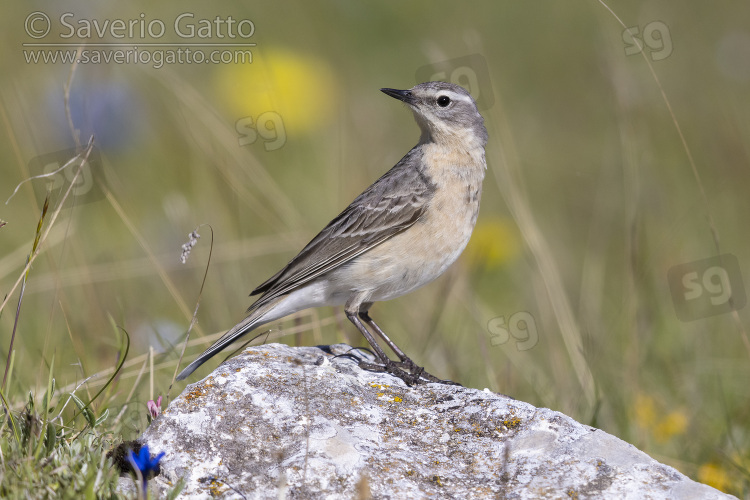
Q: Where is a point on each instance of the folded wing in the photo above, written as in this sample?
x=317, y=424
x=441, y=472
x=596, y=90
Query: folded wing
x=393, y=203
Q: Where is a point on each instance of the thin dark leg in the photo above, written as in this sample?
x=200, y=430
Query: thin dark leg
x=388, y=365
x=406, y=362
x=369, y=321
x=380, y=353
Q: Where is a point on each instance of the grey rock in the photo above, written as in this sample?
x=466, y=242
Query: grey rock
x=283, y=422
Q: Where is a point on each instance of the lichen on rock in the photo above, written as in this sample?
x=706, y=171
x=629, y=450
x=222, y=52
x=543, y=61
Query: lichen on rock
x=307, y=422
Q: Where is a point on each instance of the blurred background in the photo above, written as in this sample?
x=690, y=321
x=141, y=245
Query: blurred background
x=605, y=275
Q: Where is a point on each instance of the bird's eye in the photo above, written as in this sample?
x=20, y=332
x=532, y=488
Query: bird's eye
x=443, y=101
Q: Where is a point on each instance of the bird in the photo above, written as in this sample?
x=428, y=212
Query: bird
x=401, y=233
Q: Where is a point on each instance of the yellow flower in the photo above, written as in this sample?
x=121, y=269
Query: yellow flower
x=645, y=411
x=646, y=416
x=712, y=475
x=298, y=88
x=673, y=424
x=494, y=242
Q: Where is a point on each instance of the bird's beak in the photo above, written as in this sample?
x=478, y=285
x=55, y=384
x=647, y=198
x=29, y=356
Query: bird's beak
x=402, y=95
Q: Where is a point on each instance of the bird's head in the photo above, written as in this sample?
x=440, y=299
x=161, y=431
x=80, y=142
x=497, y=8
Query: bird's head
x=445, y=112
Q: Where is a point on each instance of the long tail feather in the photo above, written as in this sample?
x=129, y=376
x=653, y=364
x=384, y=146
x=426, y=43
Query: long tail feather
x=253, y=320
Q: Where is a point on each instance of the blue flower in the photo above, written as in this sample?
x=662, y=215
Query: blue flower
x=114, y=111
x=144, y=463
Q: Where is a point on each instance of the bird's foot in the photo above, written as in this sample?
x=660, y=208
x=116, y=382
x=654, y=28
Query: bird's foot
x=412, y=367
x=392, y=368
x=406, y=370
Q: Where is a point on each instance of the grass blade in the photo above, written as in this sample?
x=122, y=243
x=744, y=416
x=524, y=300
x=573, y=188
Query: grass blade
x=23, y=286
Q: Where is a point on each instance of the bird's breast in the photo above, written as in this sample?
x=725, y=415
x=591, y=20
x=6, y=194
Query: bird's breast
x=425, y=250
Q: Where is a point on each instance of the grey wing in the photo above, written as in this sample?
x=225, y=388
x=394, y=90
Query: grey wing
x=393, y=203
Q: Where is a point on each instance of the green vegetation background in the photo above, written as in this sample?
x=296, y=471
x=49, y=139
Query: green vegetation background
x=590, y=198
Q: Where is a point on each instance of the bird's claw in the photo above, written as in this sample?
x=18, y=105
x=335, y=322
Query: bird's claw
x=406, y=370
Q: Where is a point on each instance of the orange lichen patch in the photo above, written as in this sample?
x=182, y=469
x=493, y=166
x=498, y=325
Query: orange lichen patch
x=386, y=390
x=197, y=392
x=512, y=423
x=216, y=488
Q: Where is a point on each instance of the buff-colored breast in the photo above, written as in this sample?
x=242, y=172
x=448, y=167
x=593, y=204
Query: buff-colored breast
x=424, y=251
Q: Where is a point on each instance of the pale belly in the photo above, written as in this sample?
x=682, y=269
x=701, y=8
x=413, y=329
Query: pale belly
x=418, y=255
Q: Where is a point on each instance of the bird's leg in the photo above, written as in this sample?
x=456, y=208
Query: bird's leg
x=387, y=365
x=365, y=315
x=405, y=361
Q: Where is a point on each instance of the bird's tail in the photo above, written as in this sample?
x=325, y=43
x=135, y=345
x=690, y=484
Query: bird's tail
x=253, y=320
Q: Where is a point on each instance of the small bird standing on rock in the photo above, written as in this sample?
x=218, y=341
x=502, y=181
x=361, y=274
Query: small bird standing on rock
x=401, y=233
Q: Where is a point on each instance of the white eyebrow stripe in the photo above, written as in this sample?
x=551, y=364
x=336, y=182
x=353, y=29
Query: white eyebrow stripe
x=455, y=95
